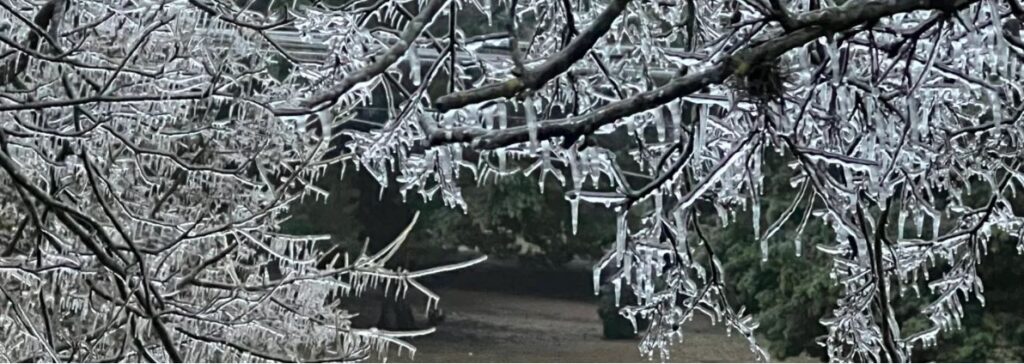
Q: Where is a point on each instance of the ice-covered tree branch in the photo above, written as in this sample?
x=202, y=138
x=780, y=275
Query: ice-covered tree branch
x=148, y=159
x=806, y=27
x=535, y=77
x=875, y=102
x=406, y=39
x=150, y=153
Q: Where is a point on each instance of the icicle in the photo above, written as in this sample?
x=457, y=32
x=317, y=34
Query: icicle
x=755, y=210
x=493, y=120
x=1000, y=48
x=622, y=231
x=531, y=122
x=414, y=66
x=502, y=113
x=577, y=181
x=901, y=224
x=698, y=135
x=488, y=12
x=659, y=124
x=723, y=214
x=680, y=227
x=574, y=207
x=658, y=204
x=618, y=291
x=997, y=110
x=919, y=223
x=675, y=110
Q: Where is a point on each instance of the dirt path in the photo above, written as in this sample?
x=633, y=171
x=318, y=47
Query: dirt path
x=498, y=327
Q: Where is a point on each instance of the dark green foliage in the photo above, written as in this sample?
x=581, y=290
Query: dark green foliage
x=512, y=219
x=789, y=294
x=509, y=219
x=763, y=82
x=336, y=216
x=995, y=332
x=615, y=326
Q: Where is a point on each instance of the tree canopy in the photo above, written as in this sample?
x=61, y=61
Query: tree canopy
x=150, y=150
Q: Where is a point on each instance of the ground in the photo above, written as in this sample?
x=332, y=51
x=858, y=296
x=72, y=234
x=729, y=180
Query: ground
x=504, y=314
x=495, y=327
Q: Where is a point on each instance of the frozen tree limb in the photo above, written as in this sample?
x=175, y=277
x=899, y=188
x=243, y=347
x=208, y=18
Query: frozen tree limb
x=381, y=64
x=552, y=67
x=807, y=26
x=848, y=91
x=150, y=153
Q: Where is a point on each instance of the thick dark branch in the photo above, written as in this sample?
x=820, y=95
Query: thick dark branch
x=586, y=124
x=536, y=78
x=664, y=176
x=884, y=304
x=813, y=24
x=13, y=242
x=780, y=12
x=408, y=36
x=570, y=20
